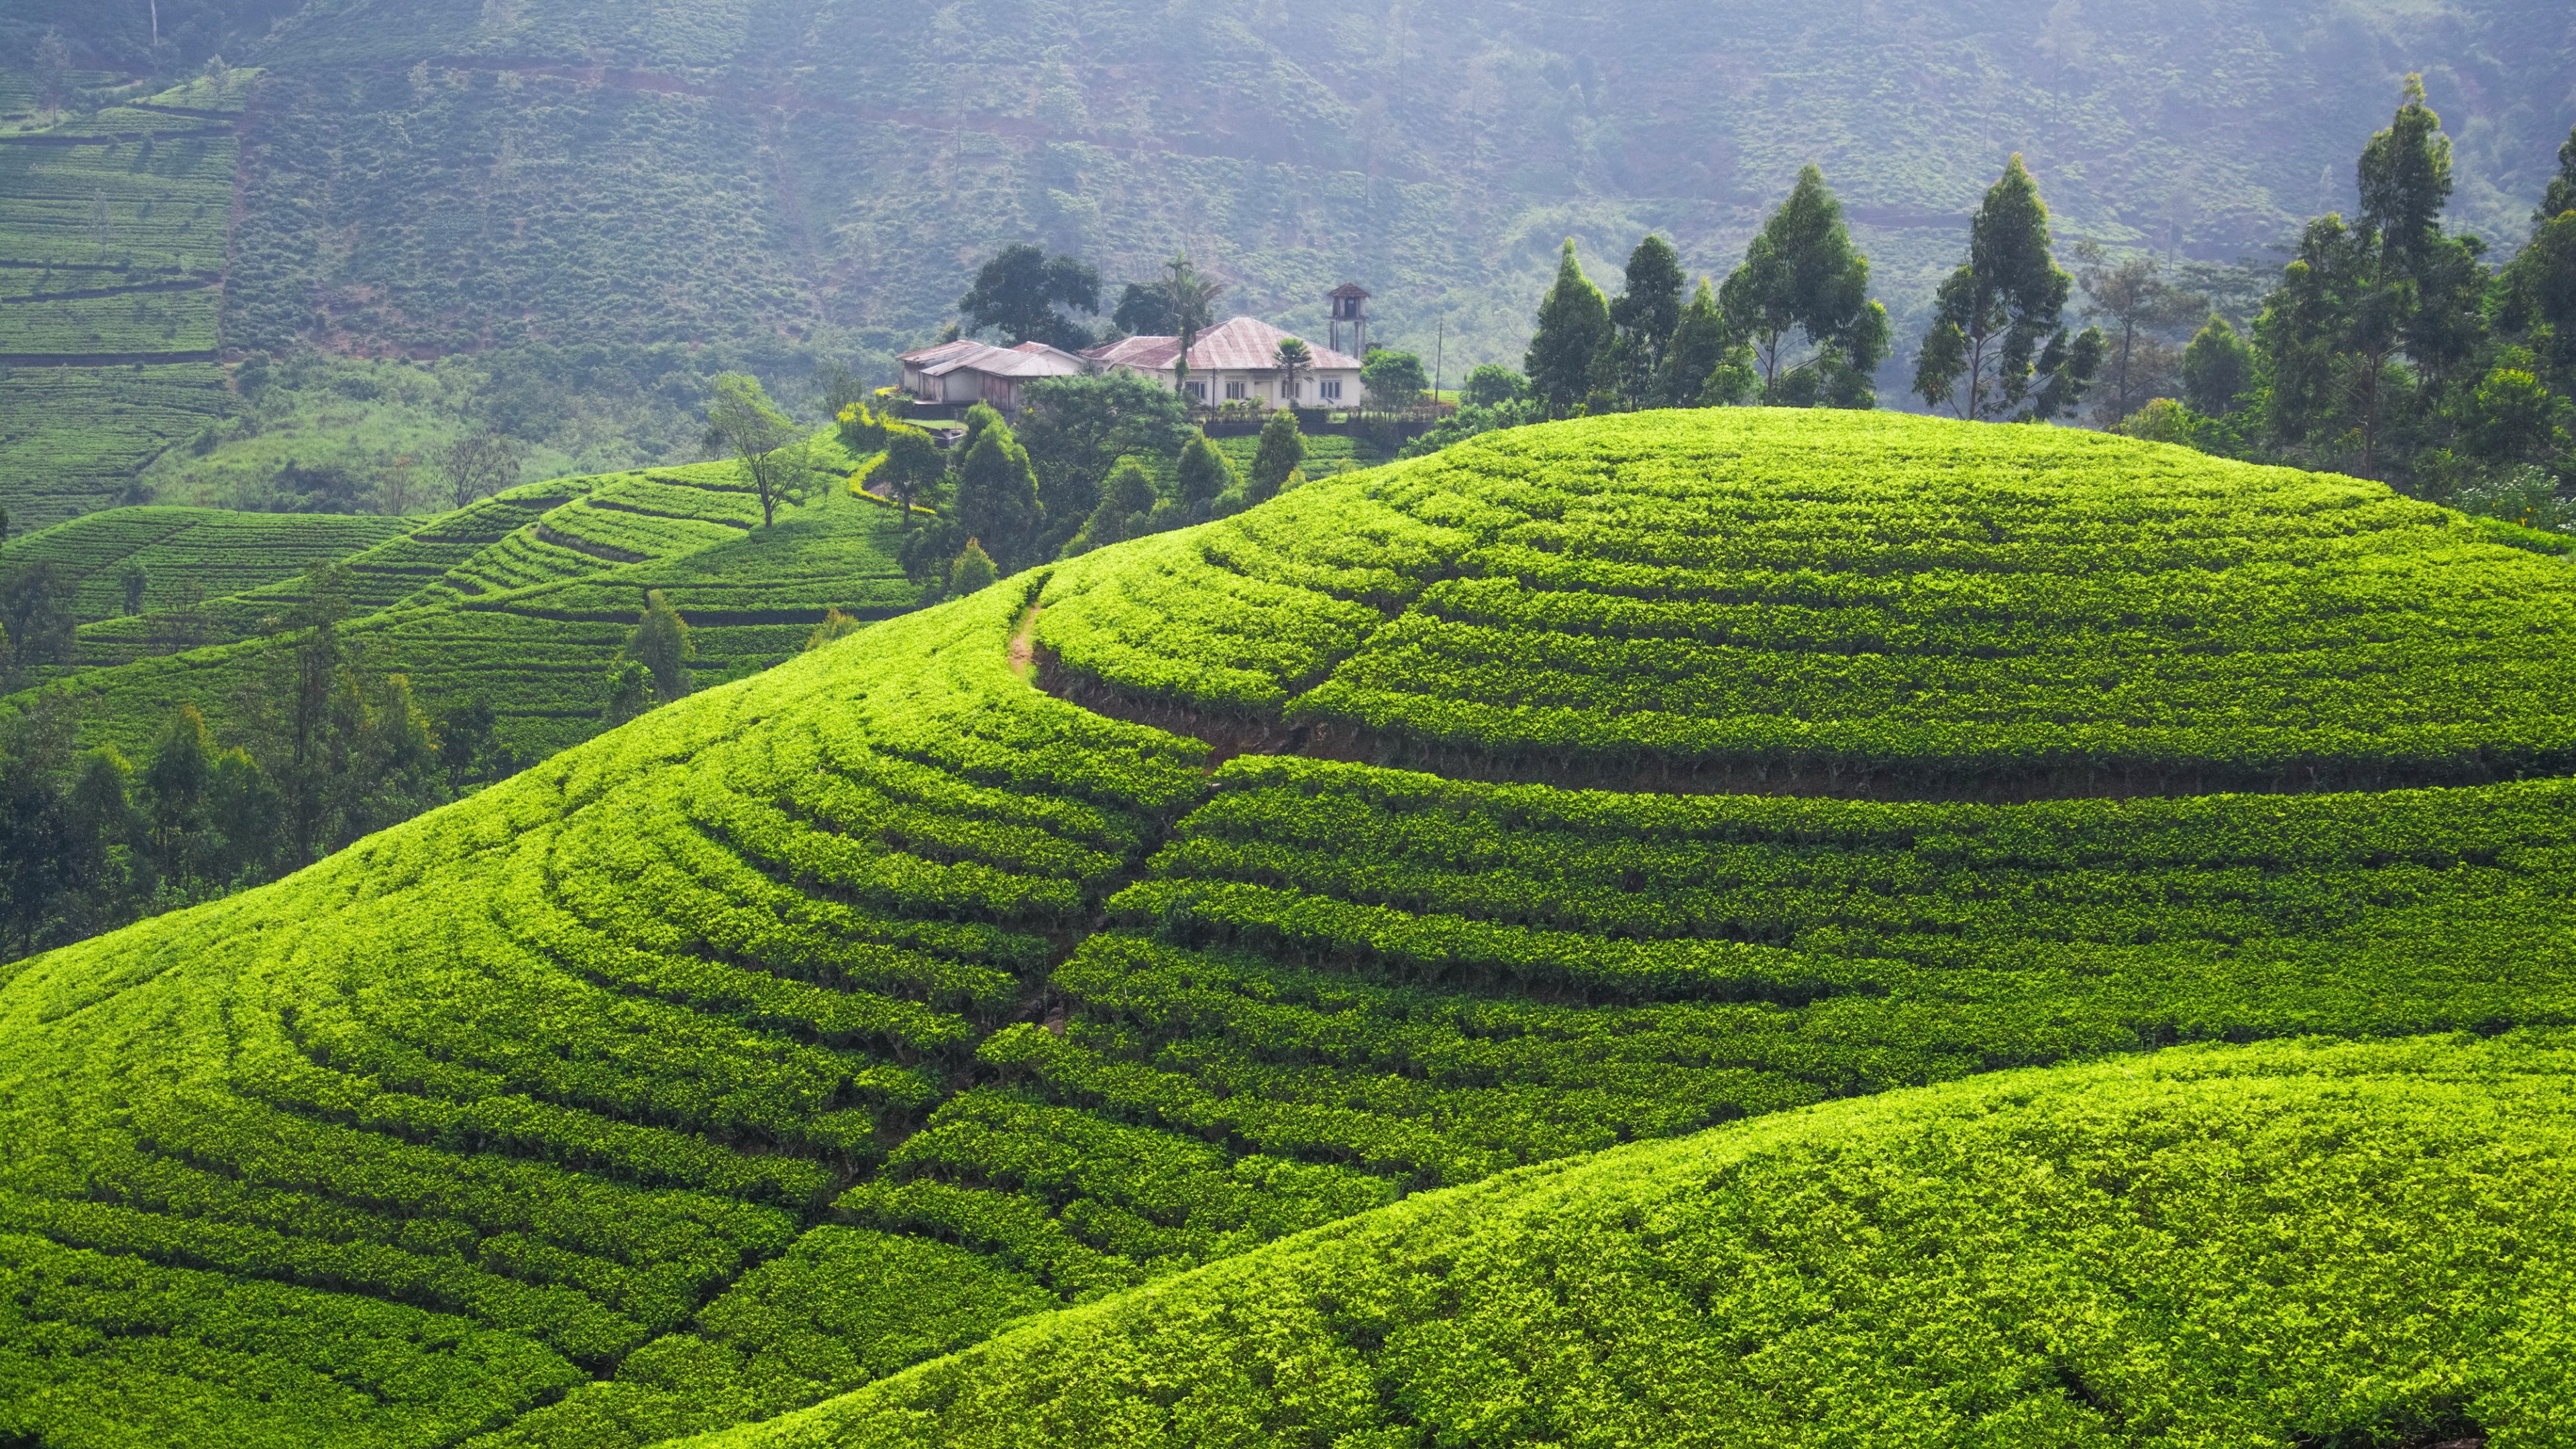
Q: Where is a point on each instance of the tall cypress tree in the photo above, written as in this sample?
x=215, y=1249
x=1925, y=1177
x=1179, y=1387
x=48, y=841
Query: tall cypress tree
x=2405, y=179
x=1201, y=476
x=1999, y=309
x=660, y=642
x=1800, y=275
x=2405, y=182
x=1573, y=328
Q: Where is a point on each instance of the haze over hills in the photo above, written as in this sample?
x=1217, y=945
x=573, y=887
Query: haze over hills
x=598, y=206
x=786, y=171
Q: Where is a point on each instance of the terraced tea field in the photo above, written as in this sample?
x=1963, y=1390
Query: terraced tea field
x=523, y=601
x=192, y=552
x=1840, y=1071
x=113, y=229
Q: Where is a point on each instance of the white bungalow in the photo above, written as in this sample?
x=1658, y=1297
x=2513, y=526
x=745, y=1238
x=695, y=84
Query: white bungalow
x=964, y=373
x=1236, y=362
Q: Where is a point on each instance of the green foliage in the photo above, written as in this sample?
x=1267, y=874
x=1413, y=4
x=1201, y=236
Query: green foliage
x=835, y=627
x=829, y=1019
x=1126, y=506
x=769, y=446
x=2512, y=418
x=185, y=552
x=1077, y=429
x=1491, y=383
x=1573, y=328
x=1705, y=365
x=997, y=499
x=1739, y=650
x=1393, y=379
x=661, y=643
x=2388, y=350
x=1984, y=357
x=522, y=603
x=973, y=571
x=630, y=691
x=1642, y=321
x=1201, y=476
x=2097, y=1257
x=2526, y=497
x=114, y=225
x=1801, y=275
x=2217, y=367
x=1283, y=449
x=910, y=469
x=1024, y=294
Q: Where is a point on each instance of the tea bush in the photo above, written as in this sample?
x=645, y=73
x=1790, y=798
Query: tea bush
x=213, y=551
x=522, y=601
x=1858, y=602
x=831, y=1019
x=2101, y=1255
x=113, y=228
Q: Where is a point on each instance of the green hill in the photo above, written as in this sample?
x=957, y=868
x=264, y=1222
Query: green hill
x=522, y=601
x=822, y=1023
x=580, y=201
x=2295, y=1244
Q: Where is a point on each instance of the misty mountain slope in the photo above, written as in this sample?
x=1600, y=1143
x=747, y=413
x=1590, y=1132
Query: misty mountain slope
x=790, y=172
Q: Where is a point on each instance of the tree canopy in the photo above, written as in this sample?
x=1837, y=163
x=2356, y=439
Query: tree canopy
x=767, y=443
x=1025, y=295
x=1997, y=347
x=1573, y=327
x=1801, y=277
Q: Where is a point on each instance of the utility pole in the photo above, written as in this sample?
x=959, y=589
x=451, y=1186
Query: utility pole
x=1439, y=347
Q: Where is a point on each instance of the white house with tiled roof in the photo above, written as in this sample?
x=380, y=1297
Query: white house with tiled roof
x=1236, y=362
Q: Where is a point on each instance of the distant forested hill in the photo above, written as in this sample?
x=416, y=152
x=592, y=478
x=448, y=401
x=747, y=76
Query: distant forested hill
x=786, y=180
x=664, y=170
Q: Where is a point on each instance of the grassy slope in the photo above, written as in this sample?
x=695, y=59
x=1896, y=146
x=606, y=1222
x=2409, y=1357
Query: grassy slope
x=2101, y=1255
x=75, y=434
x=217, y=551
x=1965, y=609
x=525, y=601
x=1326, y=455
x=822, y=1022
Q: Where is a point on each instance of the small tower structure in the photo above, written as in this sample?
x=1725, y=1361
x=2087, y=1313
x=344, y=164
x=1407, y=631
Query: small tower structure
x=1349, y=314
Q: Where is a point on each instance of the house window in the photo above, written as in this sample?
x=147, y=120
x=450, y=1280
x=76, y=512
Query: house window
x=1198, y=391
x=1234, y=392
x=1331, y=388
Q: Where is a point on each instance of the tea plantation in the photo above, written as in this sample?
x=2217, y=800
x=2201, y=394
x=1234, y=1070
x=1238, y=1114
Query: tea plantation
x=113, y=231
x=1061, y=946
x=522, y=601
x=212, y=551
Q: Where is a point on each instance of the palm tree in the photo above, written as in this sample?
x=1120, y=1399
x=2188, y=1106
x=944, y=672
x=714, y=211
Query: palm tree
x=1292, y=358
x=1192, y=298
